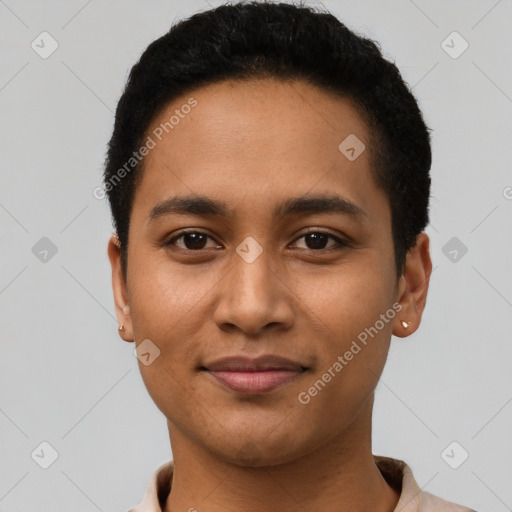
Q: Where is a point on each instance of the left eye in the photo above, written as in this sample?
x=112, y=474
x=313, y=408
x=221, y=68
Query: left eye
x=317, y=240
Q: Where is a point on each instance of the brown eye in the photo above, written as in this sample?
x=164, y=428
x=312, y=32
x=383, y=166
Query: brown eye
x=317, y=240
x=192, y=240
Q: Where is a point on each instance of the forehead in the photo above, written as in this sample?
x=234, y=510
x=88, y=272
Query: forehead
x=255, y=140
x=246, y=115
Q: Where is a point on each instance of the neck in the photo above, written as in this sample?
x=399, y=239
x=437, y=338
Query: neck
x=341, y=475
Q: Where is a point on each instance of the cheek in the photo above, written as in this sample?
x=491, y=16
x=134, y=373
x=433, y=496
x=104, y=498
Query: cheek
x=348, y=299
x=166, y=299
x=166, y=308
x=354, y=316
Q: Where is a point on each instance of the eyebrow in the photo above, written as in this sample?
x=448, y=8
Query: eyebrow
x=205, y=206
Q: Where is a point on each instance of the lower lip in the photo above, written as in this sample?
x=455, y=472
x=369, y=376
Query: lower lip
x=252, y=383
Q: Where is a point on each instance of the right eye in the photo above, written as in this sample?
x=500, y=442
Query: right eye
x=191, y=241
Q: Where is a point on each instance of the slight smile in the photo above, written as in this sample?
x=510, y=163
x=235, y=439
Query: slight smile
x=254, y=376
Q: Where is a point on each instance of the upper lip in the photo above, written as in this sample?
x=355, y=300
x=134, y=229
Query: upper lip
x=247, y=364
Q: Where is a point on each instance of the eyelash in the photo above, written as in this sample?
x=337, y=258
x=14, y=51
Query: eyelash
x=341, y=243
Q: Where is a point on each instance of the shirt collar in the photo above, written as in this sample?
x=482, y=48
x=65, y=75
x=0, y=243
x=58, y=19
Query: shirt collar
x=396, y=472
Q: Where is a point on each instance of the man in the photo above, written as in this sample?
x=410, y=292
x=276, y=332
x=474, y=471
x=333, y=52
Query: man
x=268, y=176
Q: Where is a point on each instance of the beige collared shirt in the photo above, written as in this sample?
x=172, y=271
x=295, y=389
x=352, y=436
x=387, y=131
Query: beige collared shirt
x=396, y=472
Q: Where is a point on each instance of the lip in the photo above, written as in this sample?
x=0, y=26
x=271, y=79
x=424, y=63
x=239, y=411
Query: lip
x=254, y=375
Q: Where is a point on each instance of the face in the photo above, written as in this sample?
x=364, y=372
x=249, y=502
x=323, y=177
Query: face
x=289, y=254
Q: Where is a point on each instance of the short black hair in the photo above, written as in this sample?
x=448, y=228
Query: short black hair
x=251, y=40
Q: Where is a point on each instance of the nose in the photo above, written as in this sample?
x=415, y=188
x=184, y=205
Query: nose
x=253, y=298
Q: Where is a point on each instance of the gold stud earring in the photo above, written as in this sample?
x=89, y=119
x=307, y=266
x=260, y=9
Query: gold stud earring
x=405, y=324
x=121, y=327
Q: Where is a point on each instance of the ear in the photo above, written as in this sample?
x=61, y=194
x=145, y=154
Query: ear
x=413, y=287
x=120, y=290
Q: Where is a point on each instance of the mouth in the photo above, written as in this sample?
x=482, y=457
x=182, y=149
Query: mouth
x=254, y=376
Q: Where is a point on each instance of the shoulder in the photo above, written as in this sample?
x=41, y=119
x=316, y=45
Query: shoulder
x=431, y=503
x=158, y=489
x=412, y=498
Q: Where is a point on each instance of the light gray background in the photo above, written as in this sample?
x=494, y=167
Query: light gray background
x=66, y=376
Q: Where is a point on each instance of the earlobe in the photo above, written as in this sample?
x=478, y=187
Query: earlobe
x=413, y=287
x=119, y=290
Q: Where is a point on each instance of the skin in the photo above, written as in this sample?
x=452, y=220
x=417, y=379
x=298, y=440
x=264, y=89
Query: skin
x=253, y=145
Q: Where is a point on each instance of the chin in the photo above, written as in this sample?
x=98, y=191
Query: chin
x=257, y=454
